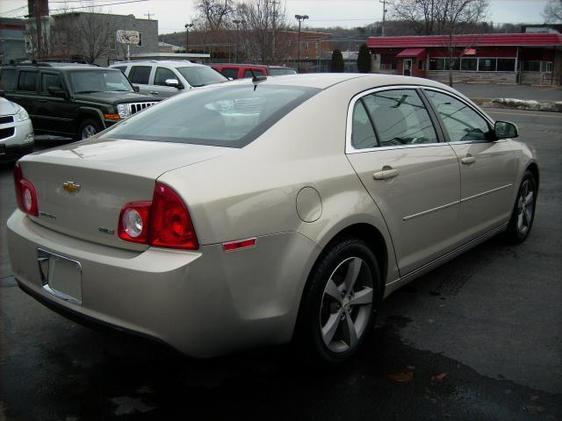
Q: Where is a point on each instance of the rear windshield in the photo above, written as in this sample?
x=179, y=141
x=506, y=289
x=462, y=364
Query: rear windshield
x=231, y=116
x=198, y=76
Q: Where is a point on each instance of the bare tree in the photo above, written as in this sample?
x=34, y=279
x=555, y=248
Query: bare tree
x=263, y=22
x=448, y=17
x=553, y=11
x=215, y=13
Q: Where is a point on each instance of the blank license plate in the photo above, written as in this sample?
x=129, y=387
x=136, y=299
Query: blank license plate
x=61, y=276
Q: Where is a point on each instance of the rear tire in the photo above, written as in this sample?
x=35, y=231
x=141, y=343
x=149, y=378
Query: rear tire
x=339, y=303
x=523, y=213
x=88, y=128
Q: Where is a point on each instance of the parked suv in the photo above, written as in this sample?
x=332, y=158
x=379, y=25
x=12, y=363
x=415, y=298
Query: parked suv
x=164, y=78
x=71, y=100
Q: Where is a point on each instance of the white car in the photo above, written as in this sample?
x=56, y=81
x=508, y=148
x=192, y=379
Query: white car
x=16, y=131
x=165, y=78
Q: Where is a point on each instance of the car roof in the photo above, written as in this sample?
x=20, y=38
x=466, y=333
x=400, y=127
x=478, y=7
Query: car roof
x=260, y=66
x=173, y=63
x=51, y=65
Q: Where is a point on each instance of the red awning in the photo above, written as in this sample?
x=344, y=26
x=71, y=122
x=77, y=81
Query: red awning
x=412, y=52
x=469, y=52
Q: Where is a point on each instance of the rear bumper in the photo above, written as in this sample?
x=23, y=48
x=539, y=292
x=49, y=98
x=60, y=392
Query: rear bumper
x=203, y=303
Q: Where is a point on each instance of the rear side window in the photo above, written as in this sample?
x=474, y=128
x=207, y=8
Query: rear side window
x=230, y=116
x=461, y=122
x=8, y=79
x=27, y=81
x=231, y=73
x=257, y=72
x=140, y=74
x=400, y=118
x=50, y=80
x=362, y=134
x=162, y=74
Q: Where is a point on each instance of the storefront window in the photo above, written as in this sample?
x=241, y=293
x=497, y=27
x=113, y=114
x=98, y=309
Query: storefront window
x=487, y=64
x=546, y=66
x=532, y=66
x=469, y=64
x=506, y=64
x=437, y=64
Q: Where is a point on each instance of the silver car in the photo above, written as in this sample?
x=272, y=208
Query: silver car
x=165, y=78
x=256, y=213
x=16, y=131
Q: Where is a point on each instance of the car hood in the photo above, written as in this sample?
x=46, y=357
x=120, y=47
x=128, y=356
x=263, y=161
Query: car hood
x=114, y=97
x=7, y=107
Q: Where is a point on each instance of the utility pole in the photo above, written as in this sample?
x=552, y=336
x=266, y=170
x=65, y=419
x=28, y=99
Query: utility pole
x=237, y=22
x=383, y=15
x=300, y=18
x=148, y=14
x=274, y=28
x=187, y=26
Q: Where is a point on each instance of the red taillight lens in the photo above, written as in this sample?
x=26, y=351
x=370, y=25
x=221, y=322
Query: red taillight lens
x=134, y=222
x=171, y=224
x=26, y=194
x=164, y=222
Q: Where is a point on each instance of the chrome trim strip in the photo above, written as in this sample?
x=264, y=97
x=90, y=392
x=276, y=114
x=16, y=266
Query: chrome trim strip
x=466, y=199
x=349, y=149
x=425, y=212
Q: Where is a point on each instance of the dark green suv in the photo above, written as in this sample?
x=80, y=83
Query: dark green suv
x=71, y=100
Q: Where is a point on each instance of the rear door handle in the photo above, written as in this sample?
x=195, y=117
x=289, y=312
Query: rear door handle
x=386, y=173
x=468, y=159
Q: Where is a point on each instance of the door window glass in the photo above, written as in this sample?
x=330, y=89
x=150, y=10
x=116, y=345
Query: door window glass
x=162, y=74
x=27, y=81
x=49, y=80
x=461, y=122
x=400, y=118
x=229, y=72
x=362, y=134
x=257, y=72
x=140, y=74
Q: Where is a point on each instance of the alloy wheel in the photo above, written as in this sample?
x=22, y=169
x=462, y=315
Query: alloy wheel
x=525, y=207
x=346, y=305
x=88, y=131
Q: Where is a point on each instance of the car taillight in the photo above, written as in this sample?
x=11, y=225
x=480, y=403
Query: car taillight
x=164, y=222
x=26, y=194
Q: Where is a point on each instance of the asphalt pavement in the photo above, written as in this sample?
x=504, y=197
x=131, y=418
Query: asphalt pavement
x=490, y=91
x=479, y=338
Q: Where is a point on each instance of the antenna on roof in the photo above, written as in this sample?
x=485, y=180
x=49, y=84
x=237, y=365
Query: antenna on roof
x=257, y=78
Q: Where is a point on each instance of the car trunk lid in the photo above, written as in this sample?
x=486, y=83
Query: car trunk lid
x=82, y=187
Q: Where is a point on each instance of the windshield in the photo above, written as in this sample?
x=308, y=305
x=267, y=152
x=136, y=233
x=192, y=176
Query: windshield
x=276, y=71
x=201, y=75
x=230, y=116
x=88, y=81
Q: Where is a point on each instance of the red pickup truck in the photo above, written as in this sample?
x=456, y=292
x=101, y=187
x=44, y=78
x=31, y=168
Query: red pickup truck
x=240, y=71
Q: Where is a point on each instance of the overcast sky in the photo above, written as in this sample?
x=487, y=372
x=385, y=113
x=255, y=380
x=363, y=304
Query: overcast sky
x=173, y=14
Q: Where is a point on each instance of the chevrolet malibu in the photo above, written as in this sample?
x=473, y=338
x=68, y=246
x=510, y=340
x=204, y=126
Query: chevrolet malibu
x=267, y=211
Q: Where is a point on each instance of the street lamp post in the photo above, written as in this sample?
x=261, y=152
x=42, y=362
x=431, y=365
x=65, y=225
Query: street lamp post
x=237, y=22
x=300, y=18
x=187, y=26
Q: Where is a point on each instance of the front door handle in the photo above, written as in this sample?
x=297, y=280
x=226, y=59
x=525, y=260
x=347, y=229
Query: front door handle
x=468, y=159
x=386, y=173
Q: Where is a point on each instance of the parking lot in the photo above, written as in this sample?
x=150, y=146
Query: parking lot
x=479, y=338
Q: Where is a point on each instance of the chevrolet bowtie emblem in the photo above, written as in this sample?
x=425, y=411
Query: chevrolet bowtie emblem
x=71, y=186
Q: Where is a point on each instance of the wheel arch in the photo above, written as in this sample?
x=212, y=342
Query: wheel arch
x=85, y=113
x=534, y=169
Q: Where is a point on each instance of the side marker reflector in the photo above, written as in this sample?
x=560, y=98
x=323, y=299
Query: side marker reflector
x=239, y=244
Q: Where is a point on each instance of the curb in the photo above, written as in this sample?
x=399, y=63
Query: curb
x=520, y=104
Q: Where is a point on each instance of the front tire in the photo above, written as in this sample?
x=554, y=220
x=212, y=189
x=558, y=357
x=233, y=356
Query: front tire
x=88, y=128
x=339, y=303
x=523, y=213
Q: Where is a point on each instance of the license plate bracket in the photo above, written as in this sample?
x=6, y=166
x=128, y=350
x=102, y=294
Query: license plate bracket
x=61, y=276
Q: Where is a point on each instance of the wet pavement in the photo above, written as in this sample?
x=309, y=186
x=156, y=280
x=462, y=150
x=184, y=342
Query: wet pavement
x=479, y=338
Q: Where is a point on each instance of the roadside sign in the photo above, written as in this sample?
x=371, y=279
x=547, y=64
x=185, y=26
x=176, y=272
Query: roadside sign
x=128, y=37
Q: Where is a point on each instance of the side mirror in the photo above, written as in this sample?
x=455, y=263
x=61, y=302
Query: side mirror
x=505, y=130
x=58, y=92
x=136, y=88
x=173, y=83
